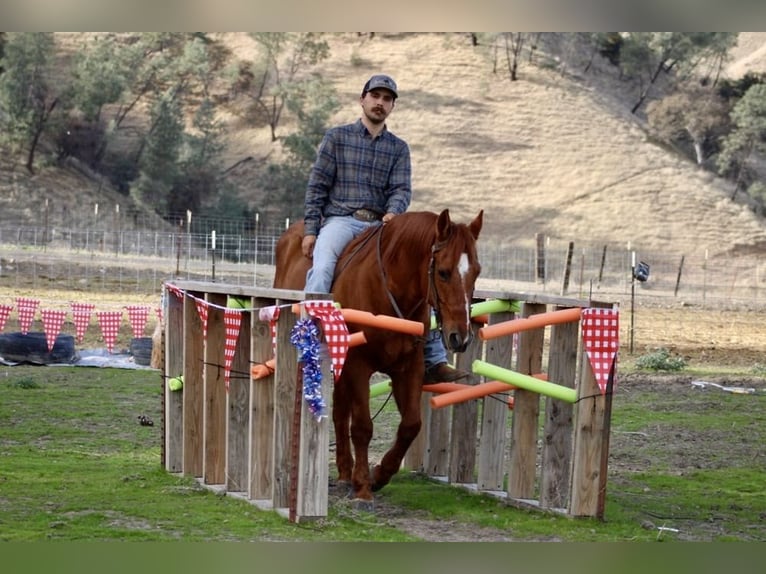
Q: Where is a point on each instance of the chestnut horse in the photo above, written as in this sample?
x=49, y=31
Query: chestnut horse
x=415, y=262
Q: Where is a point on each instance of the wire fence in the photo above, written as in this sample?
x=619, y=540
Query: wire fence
x=141, y=260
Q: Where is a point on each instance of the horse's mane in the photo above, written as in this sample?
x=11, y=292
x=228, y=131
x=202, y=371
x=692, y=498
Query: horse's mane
x=404, y=232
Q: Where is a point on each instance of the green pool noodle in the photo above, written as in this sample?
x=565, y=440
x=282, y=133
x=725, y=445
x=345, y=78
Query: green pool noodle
x=381, y=388
x=489, y=306
x=524, y=381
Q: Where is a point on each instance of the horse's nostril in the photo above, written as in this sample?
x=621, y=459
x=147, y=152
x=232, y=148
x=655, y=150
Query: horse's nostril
x=456, y=343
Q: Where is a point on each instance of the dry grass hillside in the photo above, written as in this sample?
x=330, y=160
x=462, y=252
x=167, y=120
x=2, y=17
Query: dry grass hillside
x=552, y=153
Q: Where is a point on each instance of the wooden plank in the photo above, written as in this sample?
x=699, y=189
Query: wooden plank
x=465, y=419
x=414, y=458
x=193, y=389
x=284, y=397
x=238, y=411
x=314, y=448
x=494, y=415
x=590, y=446
x=174, y=427
x=214, y=412
x=437, y=440
x=526, y=409
x=557, y=433
x=261, y=458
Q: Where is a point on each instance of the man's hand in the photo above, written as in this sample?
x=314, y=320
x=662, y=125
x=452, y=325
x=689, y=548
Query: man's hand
x=307, y=246
x=388, y=217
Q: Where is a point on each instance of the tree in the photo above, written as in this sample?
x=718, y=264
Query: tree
x=747, y=138
x=26, y=97
x=284, y=59
x=199, y=176
x=159, y=164
x=284, y=184
x=695, y=113
x=509, y=43
x=646, y=56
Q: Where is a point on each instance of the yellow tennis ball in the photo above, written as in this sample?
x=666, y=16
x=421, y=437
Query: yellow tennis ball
x=176, y=383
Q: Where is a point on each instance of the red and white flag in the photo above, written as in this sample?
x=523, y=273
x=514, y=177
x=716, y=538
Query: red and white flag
x=81, y=313
x=202, y=310
x=335, y=331
x=138, y=315
x=53, y=319
x=231, y=320
x=270, y=314
x=27, y=308
x=5, y=311
x=109, y=322
x=601, y=338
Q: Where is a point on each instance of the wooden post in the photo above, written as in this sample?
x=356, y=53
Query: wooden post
x=590, y=445
x=193, y=389
x=262, y=414
x=174, y=349
x=567, y=268
x=557, y=433
x=678, y=278
x=237, y=411
x=494, y=415
x=214, y=413
x=524, y=425
x=465, y=419
x=313, y=461
x=284, y=399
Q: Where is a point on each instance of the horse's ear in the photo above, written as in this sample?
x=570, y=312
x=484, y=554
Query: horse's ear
x=476, y=224
x=443, y=225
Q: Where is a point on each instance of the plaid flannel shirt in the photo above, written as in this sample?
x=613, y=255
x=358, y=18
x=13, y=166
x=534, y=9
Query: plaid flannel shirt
x=354, y=171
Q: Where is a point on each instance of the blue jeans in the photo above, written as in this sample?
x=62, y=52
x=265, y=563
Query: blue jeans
x=335, y=234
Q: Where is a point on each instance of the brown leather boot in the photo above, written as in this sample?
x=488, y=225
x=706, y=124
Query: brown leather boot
x=443, y=373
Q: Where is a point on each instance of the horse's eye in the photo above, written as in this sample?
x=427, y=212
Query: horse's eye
x=444, y=274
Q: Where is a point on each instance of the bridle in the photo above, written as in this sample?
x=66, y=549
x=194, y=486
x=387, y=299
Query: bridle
x=432, y=290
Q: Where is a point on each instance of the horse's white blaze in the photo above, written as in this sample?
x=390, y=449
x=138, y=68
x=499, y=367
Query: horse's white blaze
x=462, y=267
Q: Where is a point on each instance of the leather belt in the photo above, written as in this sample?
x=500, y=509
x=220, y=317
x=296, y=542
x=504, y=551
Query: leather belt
x=367, y=215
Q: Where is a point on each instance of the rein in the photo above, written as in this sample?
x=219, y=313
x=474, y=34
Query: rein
x=435, y=248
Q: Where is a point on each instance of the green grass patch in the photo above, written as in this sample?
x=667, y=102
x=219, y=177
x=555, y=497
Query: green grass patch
x=75, y=464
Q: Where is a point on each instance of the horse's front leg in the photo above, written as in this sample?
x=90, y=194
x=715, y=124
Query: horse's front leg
x=407, y=391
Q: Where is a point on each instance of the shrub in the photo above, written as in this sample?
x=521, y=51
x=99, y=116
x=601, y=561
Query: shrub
x=660, y=360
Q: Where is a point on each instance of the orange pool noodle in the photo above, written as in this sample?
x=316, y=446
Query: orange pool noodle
x=471, y=392
x=531, y=322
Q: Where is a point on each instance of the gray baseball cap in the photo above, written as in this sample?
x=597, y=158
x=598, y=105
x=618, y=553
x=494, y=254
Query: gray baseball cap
x=381, y=81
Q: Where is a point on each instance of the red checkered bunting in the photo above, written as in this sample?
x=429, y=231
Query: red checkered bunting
x=109, y=321
x=81, y=313
x=27, y=308
x=53, y=319
x=335, y=331
x=159, y=314
x=601, y=338
x=202, y=310
x=138, y=316
x=5, y=311
x=174, y=290
x=270, y=314
x=231, y=320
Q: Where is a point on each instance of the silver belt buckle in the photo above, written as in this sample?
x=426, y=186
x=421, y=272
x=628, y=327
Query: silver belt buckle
x=366, y=215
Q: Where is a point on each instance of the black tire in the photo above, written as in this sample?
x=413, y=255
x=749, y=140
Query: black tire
x=33, y=348
x=141, y=349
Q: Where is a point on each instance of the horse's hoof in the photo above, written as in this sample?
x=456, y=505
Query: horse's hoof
x=363, y=505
